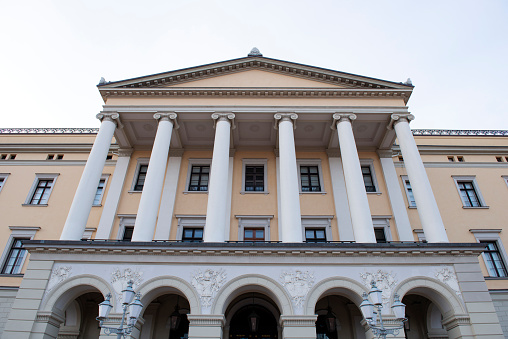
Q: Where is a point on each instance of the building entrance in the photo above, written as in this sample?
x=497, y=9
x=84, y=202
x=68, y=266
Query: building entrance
x=253, y=322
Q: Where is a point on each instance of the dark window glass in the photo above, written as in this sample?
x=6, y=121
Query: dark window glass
x=255, y=178
x=315, y=235
x=140, y=181
x=468, y=194
x=14, y=261
x=254, y=234
x=380, y=234
x=309, y=178
x=494, y=262
x=199, y=178
x=192, y=235
x=98, y=194
x=41, y=193
x=410, y=196
x=2, y=180
x=127, y=233
x=367, y=179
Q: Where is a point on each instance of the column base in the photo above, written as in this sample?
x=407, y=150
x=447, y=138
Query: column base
x=204, y=326
x=298, y=326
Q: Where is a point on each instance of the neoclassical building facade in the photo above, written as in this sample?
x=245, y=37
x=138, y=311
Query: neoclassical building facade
x=253, y=185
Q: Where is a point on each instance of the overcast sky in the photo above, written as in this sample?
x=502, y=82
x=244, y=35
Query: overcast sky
x=53, y=53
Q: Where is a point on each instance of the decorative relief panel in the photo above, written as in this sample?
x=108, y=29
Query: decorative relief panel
x=447, y=275
x=298, y=284
x=120, y=277
x=58, y=275
x=385, y=281
x=207, y=283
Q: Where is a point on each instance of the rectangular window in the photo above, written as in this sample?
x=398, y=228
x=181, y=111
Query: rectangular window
x=2, y=180
x=315, y=235
x=100, y=191
x=380, y=234
x=468, y=194
x=493, y=260
x=15, y=258
x=192, y=235
x=42, y=191
x=254, y=178
x=199, y=178
x=140, y=180
x=409, y=192
x=309, y=179
x=127, y=233
x=367, y=179
x=254, y=234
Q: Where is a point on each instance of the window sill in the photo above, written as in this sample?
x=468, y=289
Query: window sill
x=321, y=192
x=34, y=205
x=378, y=193
x=194, y=192
x=412, y=207
x=496, y=278
x=100, y=205
x=18, y=275
x=476, y=208
x=130, y=192
x=254, y=192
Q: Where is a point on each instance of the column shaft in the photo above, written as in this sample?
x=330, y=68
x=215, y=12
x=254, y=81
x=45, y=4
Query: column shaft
x=289, y=189
x=146, y=218
x=357, y=195
x=87, y=187
x=340, y=200
x=426, y=204
x=215, y=226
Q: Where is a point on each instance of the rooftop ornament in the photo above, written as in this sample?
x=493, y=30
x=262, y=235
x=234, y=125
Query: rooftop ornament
x=255, y=52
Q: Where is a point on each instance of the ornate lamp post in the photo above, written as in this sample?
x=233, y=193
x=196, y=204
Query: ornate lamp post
x=371, y=310
x=132, y=307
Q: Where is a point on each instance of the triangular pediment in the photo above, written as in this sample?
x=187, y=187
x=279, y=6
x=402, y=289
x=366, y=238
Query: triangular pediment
x=255, y=72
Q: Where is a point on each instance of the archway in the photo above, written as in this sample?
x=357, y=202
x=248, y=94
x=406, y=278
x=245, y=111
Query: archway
x=80, y=317
x=424, y=318
x=252, y=315
x=338, y=317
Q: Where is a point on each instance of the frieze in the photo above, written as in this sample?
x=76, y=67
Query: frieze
x=385, y=281
x=49, y=130
x=298, y=284
x=207, y=283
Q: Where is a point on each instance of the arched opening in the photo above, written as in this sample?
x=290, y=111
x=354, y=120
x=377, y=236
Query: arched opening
x=252, y=315
x=338, y=318
x=79, y=317
x=424, y=318
x=166, y=317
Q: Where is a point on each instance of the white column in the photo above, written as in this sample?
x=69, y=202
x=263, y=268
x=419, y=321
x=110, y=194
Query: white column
x=357, y=196
x=230, y=196
x=277, y=169
x=150, y=198
x=426, y=204
x=85, y=193
x=165, y=218
x=218, y=185
x=340, y=200
x=291, y=223
x=395, y=194
x=113, y=197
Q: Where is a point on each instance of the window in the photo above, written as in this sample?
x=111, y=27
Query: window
x=499, y=159
x=469, y=192
x=505, y=178
x=254, y=177
x=126, y=228
x=59, y=157
x=3, y=178
x=380, y=234
x=140, y=178
x=3, y=156
x=409, y=191
x=254, y=234
x=460, y=159
x=315, y=235
x=311, y=176
x=41, y=190
x=382, y=228
x=192, y=235
x=127, y=233
x=12, y=157
x=369, y=176
x=50, y=157
x=15, y=258
x=493, y=259
x=451, y=159
x=198, y=175
x=100, y=191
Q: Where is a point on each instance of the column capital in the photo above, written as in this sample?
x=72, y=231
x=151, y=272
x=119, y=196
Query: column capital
x=224, y=117
x=164, y=116
x=124, y=152
x=279, y=117
x=104, y=116
x=397, y=117
x=338, y=117
x=385, y=153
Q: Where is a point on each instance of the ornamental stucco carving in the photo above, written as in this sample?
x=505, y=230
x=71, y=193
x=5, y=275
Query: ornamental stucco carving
x=120, y=277
x=207, y=283
x=298, y=284
x=385, y=281
x=58, y=274
x=447, y=276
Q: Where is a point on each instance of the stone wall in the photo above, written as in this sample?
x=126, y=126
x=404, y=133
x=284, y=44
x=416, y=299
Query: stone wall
x=500, y=300
x=7, y=296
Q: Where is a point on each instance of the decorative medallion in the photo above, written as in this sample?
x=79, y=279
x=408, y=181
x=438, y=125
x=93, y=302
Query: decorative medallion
x=119, y=279
x=385, y=281
x=208, y=283
x=298, y=284
x=447, y=275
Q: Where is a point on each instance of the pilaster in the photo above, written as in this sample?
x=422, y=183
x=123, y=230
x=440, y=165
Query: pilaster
x=298, y=326
x=205, y=326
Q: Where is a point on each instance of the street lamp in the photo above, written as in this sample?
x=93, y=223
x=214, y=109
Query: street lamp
x=132, y=307
x=371, y=310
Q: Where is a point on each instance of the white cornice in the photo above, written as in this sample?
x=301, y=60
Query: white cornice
x=49, y=130
x=459, y=133
x=457, y=164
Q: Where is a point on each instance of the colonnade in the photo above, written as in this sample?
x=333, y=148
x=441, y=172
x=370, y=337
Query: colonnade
x=290, y=218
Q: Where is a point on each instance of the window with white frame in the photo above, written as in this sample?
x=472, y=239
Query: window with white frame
x=101, y=187
x=254, y=227
x=382, y=228
x=41, y=189
x=317, y=228
x=469, y=192
x=3, y=179
x=254, y=176
x=505, y=178
x=14, y=254
x=409, y=191
x=126, y=228
x=369, y=176
x=494, y=254
x=140, y=175
x=198, y=175
x=190, y=228
x=310, y=175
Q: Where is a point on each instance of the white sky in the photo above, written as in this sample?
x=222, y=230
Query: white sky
x=53, y=53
